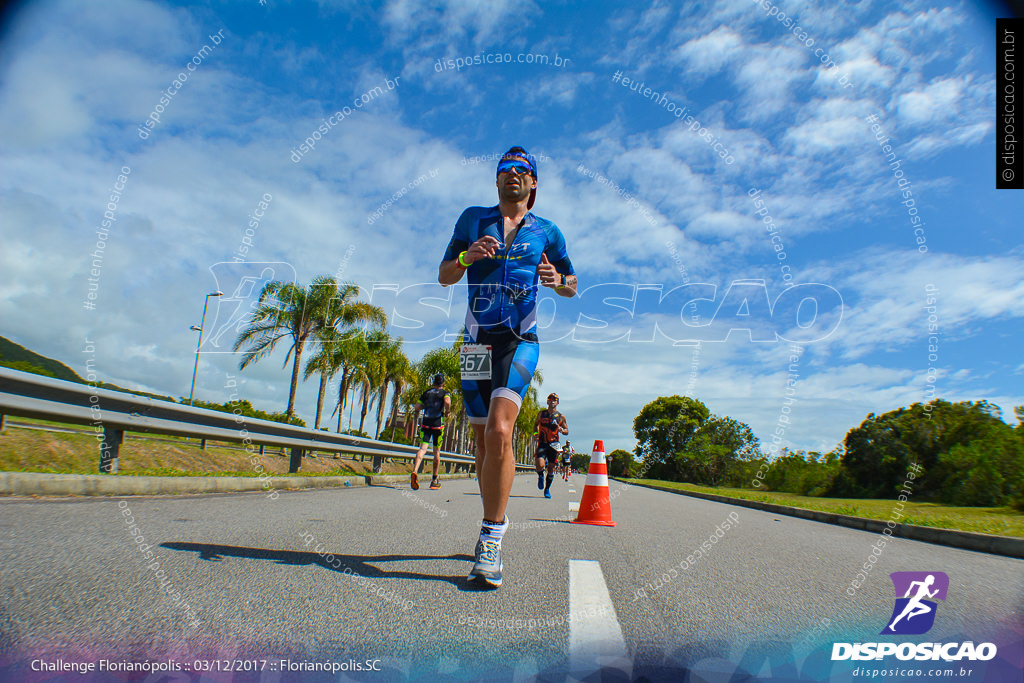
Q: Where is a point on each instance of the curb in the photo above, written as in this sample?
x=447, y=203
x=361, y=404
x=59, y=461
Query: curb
x=45, y=484
x=965, y=540
x=406, y=480
x=49, y=484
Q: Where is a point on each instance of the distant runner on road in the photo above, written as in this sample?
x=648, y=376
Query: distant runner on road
x=507, y=251
x=548, y=425
x=567, y=454
x=435, y=404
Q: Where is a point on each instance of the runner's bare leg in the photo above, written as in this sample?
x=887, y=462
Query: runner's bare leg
x=479, y=430
x=419, y=457
x=498, y=467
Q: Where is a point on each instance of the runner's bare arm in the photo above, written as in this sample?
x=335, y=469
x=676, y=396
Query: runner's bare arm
x=451, y=271
x=549, y=277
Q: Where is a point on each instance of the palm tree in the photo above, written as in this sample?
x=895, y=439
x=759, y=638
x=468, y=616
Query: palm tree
x=345, y=355
x=398, y=374
x=444, y=361
x=284, y=309
x=370, y=366
x=522, y=432
x=340, y=315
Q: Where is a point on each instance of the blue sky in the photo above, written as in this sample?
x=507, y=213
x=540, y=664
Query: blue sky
x=643, y=196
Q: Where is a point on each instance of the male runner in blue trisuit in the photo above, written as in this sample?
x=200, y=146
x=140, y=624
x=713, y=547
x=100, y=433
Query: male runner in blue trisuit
x=507, y=250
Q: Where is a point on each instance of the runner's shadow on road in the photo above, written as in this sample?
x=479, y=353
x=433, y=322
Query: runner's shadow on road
x=354, y=563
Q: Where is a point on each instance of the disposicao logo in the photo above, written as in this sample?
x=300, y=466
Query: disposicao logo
x=914, y=614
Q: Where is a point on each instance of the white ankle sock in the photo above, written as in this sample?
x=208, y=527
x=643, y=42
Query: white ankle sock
x=493, y=532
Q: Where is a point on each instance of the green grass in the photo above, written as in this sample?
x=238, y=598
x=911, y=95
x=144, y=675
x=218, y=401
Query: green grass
x=173, y=472
x=1001, y=521
x=25, y=450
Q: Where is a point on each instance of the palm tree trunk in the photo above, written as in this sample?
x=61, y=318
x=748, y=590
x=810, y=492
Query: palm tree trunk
x=394, y=411
x=381, y=406
x=343, y=394
x=351, y=406
x=295, y=379
x=341, y=399
x=365, y=407
x=320, y=398
x=464, y=428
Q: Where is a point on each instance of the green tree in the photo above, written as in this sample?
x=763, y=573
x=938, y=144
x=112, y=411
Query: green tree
x=398, y=374
x=336, y=319
x=665, y=426
x=806, y=474
x=444, y=361
x=620, y=463
x=244, y=408
x=284, y=309
x=371, y=370
x=524, y=442
x=718, y=444
x=988, y=471
x=879, y=452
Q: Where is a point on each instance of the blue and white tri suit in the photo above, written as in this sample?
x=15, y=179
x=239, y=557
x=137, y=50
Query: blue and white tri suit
x=502, y=309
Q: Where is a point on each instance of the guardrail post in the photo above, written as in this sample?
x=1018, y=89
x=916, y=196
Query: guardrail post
x=296, y=462
x=110, y=449
x=202, y=444
x=261, y=449
x=377, y=461
x=3, y=422
x=448, y=468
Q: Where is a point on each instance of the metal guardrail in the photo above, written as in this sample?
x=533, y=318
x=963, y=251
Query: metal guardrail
x=112, y=413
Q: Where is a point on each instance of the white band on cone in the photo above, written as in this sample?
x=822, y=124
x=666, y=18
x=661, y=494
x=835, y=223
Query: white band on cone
x=597, y=480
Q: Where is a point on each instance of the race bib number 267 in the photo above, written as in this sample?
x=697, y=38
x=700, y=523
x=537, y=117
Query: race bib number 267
x=475, y=361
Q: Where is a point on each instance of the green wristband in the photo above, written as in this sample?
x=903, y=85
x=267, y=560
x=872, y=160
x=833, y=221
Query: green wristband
x=461, y=263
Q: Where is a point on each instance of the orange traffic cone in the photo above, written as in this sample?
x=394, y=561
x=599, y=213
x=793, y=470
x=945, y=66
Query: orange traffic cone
x=595, y=506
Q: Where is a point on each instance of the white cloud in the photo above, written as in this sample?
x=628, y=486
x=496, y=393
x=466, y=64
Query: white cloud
x=886, y=296
x=710, y=53
x=937, y=101
x=768, y=77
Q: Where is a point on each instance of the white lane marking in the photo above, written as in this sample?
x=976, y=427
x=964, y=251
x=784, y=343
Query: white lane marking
x=574, y=506
x=595, y=636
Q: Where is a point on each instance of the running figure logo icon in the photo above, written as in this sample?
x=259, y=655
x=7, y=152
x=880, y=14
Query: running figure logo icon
x=913, y=614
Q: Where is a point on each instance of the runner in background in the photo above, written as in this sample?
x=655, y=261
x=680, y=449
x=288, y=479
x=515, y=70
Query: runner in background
x=435, y=404
x=548, y=425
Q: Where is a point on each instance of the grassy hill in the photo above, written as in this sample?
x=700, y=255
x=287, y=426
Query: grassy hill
x=18, y=357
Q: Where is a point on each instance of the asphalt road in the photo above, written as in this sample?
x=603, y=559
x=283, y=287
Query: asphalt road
x=770, y=593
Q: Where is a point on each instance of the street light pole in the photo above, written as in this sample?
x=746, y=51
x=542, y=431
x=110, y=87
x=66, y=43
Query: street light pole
x=199, y=343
